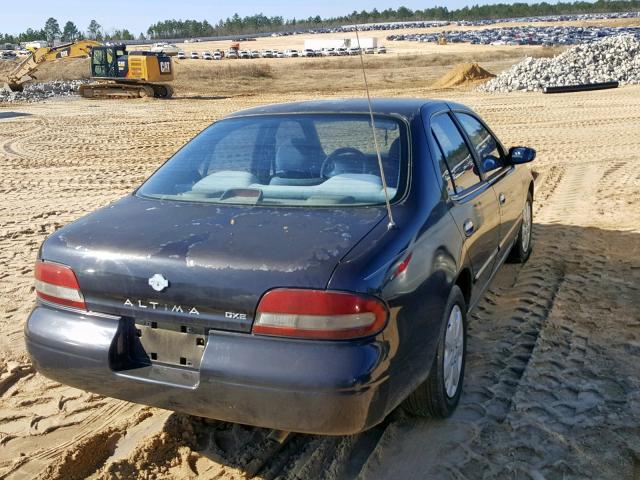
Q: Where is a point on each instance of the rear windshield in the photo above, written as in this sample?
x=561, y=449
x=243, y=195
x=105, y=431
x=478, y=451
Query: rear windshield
x=288, y=160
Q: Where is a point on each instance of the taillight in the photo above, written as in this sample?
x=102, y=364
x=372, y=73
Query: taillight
x=319, y=314
x=58, y=284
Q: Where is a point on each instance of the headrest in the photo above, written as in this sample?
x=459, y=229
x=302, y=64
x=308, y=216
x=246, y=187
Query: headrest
x=291, y=161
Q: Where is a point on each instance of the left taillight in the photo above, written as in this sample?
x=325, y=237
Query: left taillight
x=57, y=283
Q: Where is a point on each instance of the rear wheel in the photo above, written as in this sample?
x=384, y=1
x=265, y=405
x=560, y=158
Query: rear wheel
x=439, y=395
x=521, y=250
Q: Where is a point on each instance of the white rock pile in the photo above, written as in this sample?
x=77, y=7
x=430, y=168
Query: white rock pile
x=36, y=92
x=611, y=59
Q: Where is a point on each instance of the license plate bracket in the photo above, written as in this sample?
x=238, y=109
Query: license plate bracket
x=171, y=344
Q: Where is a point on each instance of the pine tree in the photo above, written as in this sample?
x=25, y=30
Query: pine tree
x=51, y=30
x=70, y=33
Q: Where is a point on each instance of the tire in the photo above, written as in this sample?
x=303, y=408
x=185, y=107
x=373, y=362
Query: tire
x=436, y=397
x=521, y=250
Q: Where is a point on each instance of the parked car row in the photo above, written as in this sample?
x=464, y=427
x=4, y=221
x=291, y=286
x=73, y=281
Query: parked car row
x=461, y=23
x=342, y=51
x=8, y=55
x=288, y=53
x=13, y=54
x=523, y=35
x=431, y=24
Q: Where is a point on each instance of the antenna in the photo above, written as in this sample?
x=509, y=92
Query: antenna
x=391, y=223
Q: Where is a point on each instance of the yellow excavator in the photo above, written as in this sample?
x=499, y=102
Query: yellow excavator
x=115, y=72
x=27, y=67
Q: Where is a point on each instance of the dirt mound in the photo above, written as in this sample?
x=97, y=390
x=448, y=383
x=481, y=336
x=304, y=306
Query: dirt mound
x=6, y=66
x=463, y=74
x=62, y=69
x=65, y=69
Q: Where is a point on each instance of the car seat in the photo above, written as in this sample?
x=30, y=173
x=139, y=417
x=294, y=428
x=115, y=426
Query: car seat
x=294, y=165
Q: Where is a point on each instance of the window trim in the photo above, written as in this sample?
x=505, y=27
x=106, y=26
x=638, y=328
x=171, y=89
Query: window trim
x=498, y=172
x=469, y=190
x=405, y=183
x=446, y=164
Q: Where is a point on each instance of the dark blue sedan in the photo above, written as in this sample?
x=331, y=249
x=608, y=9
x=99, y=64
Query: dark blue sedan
x=306, y=267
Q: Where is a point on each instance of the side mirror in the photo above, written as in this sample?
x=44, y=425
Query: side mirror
x=518, y=155
x=490, y=163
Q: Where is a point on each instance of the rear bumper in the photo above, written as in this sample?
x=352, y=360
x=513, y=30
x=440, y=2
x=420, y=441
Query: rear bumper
x=332, y=388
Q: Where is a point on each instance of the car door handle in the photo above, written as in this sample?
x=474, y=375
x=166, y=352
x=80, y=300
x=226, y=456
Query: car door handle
x=502, y=199
x=469, y=228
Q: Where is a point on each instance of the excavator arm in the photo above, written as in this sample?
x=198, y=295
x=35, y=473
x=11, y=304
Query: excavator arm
x=29, y=65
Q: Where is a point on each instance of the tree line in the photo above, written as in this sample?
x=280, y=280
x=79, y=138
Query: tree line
x=262, y=23
x=69, y=33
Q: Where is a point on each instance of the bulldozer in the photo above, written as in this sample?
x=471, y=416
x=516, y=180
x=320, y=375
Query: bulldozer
x=115, y=72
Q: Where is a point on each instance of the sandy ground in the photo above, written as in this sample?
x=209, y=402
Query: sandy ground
x=553, y=383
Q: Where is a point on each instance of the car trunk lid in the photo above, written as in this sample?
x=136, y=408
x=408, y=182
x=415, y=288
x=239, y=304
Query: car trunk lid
x=202, y=265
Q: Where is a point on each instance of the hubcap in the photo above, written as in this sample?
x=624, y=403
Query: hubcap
x=526, y=226
x=453, y=351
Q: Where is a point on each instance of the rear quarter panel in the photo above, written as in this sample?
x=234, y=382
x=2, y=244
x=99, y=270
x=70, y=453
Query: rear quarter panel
x=417, y=296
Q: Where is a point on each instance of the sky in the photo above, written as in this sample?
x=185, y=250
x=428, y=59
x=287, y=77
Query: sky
x=138, y=15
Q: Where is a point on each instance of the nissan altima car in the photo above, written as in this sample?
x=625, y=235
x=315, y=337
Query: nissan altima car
x=306, y=267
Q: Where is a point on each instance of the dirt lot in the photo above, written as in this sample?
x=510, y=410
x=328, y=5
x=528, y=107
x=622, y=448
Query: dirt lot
x=553, y=381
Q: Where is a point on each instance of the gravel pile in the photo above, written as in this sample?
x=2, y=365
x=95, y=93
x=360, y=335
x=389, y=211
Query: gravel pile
x=36, y=92
x=611, y=59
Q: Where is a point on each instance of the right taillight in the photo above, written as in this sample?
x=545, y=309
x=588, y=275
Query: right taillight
x=319, y=314
x=57, y=283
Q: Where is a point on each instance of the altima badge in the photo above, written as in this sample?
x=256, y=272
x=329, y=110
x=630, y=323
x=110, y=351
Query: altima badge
x=158, y=282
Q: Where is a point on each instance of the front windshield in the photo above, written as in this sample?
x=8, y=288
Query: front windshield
x=288, y=160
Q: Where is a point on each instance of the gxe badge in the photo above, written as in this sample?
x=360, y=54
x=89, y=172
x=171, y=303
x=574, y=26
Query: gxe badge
x=158, y=282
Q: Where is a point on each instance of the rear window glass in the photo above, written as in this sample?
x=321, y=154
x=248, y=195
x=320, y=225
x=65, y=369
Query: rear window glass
x=311, y=159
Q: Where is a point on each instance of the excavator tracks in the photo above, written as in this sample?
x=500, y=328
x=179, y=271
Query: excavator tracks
x=102, y=90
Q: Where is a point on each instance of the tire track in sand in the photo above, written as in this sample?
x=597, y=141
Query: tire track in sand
x=503, y=335
x=519, y=403
x=550, y=385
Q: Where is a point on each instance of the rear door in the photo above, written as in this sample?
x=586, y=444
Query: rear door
x=502, y=177
x=475, y=210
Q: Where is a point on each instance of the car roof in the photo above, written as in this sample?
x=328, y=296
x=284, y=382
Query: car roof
x=404, y=107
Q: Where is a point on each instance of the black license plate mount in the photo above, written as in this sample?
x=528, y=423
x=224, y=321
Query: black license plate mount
x=172, y=344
